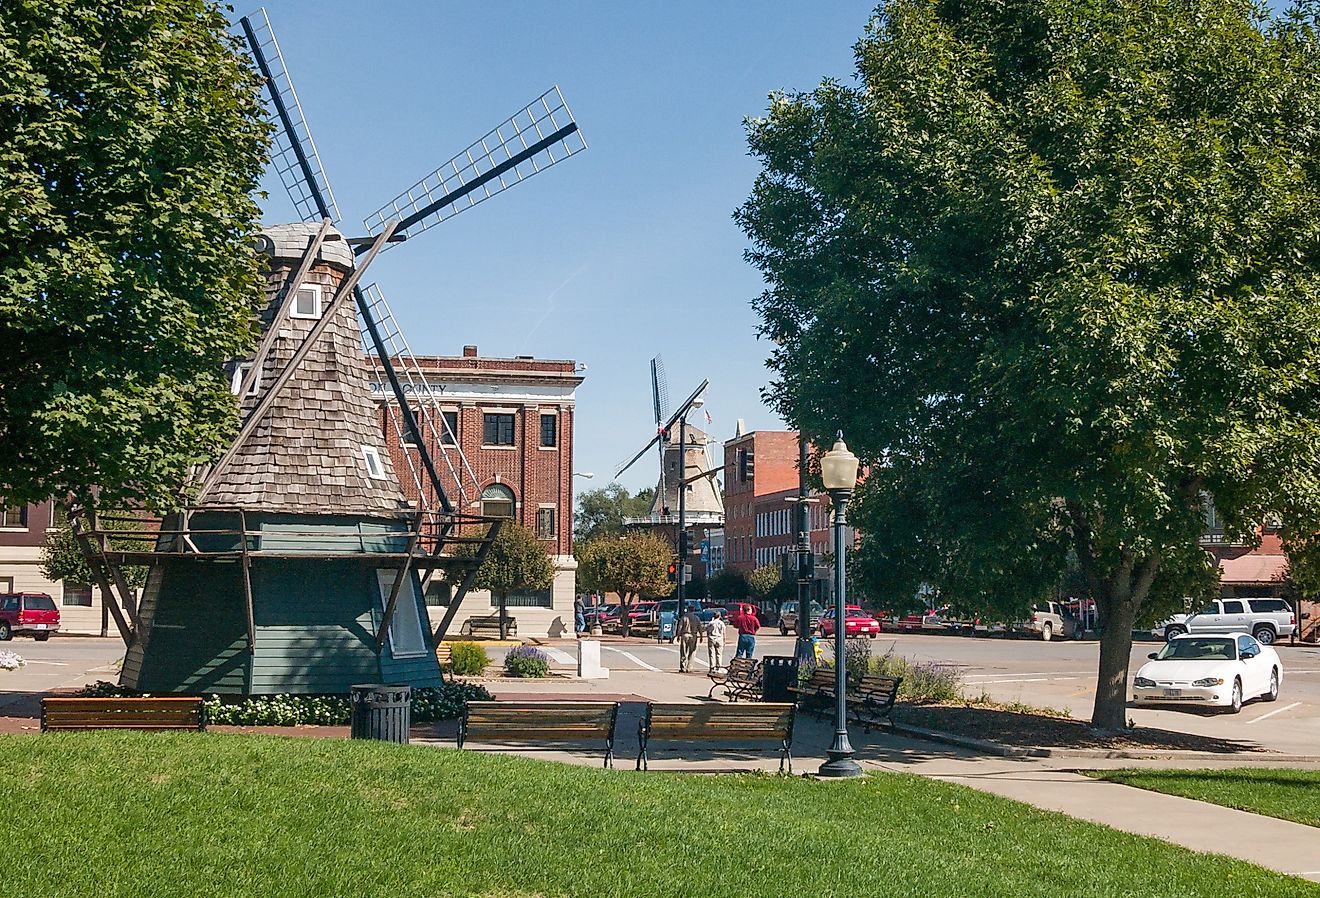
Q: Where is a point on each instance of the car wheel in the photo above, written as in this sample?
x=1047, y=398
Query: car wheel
x=1046, y=631
x=1264, y=635
x=41, y=637
x=1172, y=631
x=872, y=635
x=783, y=631
x=1235, y=702
x=6, y=633
x=1273, y=694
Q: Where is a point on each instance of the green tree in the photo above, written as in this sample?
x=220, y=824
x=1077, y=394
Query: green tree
x=1052, y=266
x=600, y=512
x=765, y=583
x=517, y=560
x=132, y=139
x=634, y=565
x=729, y=585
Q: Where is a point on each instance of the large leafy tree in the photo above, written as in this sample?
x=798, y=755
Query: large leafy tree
x=600, y=512
x=131, y=140
x=1052, y=266
x=516, y=560
x=634, y=565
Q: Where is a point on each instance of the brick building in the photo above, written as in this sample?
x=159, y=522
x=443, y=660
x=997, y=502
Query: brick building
x=760, y=494
x=512, y=419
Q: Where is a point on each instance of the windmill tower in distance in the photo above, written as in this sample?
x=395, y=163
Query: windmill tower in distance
x=299, y=566
x=688, y=500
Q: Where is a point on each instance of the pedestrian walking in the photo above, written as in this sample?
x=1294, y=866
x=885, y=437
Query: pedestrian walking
x=689, y=630
x=747, y=624
x=715, y=641
x=579, y=616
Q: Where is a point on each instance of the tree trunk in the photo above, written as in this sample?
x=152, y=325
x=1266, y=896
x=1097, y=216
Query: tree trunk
x=1117, y=615
x=504, y=620
x=625, y=616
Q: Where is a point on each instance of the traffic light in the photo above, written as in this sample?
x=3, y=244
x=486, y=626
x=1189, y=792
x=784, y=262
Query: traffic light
x=683, y=545
x=673, y=572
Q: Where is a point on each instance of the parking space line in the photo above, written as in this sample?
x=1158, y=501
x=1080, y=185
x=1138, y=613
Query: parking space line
x=51, y=663
x=559, y=655
x=631, y=657
x=1022, y=680
x=1272, y=713
x=1049, y=674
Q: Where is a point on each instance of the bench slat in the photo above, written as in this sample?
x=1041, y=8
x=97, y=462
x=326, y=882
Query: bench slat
x=163, y=713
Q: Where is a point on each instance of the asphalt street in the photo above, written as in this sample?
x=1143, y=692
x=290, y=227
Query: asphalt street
x=1058, y=674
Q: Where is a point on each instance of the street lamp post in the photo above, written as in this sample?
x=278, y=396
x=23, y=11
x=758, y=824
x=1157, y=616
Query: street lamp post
x=683, y=548
x=838, y=469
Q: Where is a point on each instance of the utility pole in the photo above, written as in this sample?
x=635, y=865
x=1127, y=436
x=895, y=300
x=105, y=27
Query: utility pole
x=803, y=651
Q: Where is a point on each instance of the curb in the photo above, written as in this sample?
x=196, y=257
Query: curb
x=1130, y=754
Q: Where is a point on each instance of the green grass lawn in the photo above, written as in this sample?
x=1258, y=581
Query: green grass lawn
x=125, y=814
x=1289, y=794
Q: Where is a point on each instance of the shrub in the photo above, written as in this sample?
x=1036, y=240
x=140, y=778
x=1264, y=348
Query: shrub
x=469, y=659
x=526, y=661
x=428, y=703
x=923, y=681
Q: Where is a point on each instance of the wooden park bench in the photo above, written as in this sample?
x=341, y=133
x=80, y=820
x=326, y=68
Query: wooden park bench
x=741, y=679
x=165, y=713
x=872, y=699
x=489, y=627
x=540, y=725
x=717, y=722
x=820, y=685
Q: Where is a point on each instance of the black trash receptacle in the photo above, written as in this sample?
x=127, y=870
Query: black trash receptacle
x=778, y=672
x=381, y=712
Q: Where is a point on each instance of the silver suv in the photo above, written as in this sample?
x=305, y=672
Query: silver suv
x=1265, y=619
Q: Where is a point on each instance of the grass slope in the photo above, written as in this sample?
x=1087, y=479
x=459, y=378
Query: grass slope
x=144, y=815
x=1288, y=794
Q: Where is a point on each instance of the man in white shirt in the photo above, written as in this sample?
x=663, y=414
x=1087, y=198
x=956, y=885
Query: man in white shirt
x=715, y=641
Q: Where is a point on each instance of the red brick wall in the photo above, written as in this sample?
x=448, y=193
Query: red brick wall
x=775, y=454
x=537, y=476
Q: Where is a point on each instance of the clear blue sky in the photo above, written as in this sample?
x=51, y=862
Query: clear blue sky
x=619, y=254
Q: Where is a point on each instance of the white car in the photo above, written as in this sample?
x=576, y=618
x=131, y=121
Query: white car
x=1221, y=670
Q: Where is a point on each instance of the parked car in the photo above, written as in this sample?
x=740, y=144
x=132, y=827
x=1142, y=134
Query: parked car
x=856, y=622
x=1049, y=619
x=926, y=619
x=1218, y=671
x=1266, y=619
x=788, y=617
x=28, y=614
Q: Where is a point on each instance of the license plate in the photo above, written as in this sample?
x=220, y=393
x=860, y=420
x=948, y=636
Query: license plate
x=1173, y=693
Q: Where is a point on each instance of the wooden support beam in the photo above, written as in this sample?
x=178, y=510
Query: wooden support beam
x=247, y=584
x=268, y=398
x=98, y=572
x=398, y=582
x=457, y=598
x=116, y=575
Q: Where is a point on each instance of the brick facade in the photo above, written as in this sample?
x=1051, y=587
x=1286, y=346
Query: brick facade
x=539, y=477
x=760, y=523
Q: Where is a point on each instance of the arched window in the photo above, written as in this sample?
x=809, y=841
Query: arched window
x=497, y=501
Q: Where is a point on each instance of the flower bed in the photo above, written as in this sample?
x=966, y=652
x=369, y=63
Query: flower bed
x=11, y=661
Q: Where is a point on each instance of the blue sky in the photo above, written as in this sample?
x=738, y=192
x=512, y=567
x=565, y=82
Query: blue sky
x=619, y=254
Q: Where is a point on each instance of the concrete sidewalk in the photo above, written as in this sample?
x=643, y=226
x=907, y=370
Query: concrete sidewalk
x=1048, y=783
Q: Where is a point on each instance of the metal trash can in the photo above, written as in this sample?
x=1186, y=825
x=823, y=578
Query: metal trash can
x=381, y=712
x=778, y=672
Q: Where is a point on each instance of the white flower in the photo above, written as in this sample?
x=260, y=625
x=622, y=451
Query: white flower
x=11, y=661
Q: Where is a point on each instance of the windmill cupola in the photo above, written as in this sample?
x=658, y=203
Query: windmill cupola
x=287, y=243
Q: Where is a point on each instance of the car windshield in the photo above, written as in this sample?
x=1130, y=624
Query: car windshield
x=1199, y=648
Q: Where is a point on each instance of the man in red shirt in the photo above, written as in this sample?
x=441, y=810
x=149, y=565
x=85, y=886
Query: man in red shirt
x=746, y=622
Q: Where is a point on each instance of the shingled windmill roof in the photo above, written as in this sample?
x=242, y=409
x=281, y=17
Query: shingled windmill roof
x=308, y=453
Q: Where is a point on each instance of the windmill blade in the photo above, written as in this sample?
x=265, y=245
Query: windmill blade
x=659, y=389
x=663, y=429
x=539, y=135
x=293, y=153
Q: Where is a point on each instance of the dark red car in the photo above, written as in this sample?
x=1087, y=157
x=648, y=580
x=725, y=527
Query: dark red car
x=28, y=614
x=856, y=622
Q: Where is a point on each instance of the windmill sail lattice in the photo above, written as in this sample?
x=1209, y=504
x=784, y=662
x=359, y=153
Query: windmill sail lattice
x=541, y=134
x=293, y=153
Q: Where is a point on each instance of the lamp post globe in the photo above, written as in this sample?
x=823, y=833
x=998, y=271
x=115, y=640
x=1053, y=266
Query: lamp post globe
x=838, y=469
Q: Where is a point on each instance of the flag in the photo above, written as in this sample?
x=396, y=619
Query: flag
x=708, y=418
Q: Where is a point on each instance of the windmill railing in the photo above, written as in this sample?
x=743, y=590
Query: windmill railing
x=440, y=538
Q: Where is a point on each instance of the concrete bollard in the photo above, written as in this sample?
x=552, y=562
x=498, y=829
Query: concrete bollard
x=589, y=661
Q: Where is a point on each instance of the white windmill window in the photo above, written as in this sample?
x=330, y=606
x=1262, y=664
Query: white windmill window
x=374, y=467
x=236, y=381
x=307, y=302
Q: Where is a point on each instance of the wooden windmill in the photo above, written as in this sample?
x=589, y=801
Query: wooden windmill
x=299, y=565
